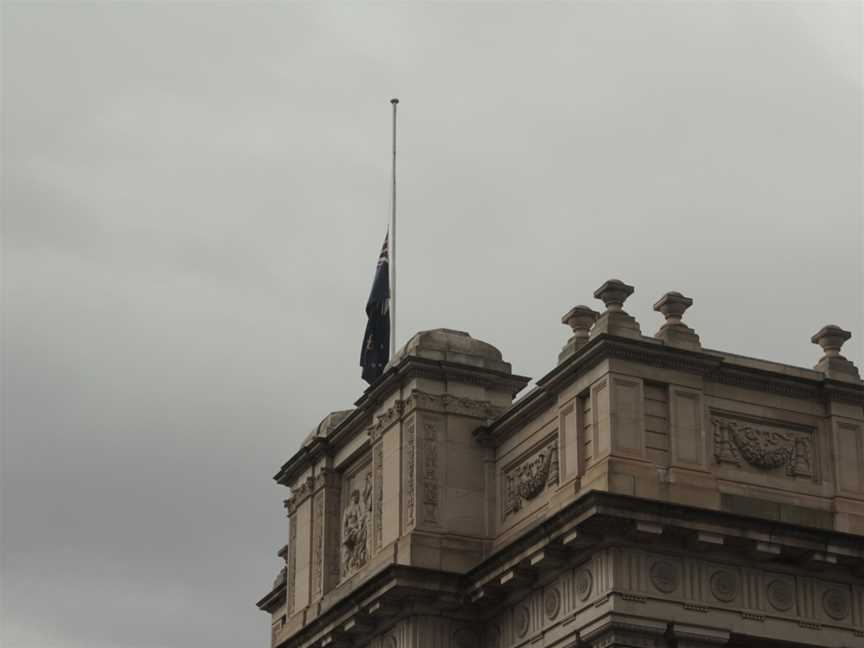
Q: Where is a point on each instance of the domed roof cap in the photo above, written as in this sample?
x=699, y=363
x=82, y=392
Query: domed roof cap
x=327, y=425
x=452, y=346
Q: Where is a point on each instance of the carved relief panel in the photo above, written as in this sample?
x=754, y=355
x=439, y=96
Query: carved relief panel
x=762, y=446
x=356, y=520
x=410, y=471
x=527, y=477
x=430, y=461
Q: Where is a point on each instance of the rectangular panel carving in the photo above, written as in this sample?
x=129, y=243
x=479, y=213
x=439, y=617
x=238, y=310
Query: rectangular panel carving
x=431, y=490
x=763, y=446
x=847, y=450
x=571, y=442
x=356, y=518
x=628, y=426
x=601, y=422
x=686, y=438
x=410, y=474
x=529, y=476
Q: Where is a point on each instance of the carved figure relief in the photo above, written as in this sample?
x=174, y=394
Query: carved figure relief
x=355, y=526
x=430, y=474
x=765, y=447
x=528, y=479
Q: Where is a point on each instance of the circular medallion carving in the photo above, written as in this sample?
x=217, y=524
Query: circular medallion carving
x=584, y=582
x=552, y=602
x=724, y=585
x=664, y=575
x=781, y=595
x=836, y=604
x=521, y=621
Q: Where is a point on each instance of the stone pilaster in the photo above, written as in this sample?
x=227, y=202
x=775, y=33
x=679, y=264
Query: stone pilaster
x=325, y=533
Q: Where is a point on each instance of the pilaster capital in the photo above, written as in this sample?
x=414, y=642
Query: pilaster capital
x=326, y=478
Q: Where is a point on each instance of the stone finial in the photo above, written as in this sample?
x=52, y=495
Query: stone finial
x=613, y=293
x=674, y=332
x=614, y=321
x=831, y=338
x=580, y=319
x=672, y=305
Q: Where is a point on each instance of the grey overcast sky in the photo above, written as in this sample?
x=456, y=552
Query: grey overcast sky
x=194, y=196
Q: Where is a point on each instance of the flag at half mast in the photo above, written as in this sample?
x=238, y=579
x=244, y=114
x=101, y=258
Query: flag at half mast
x=376, y=340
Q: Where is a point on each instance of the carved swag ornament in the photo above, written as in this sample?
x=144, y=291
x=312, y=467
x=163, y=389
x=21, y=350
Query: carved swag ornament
x=355, y=527
x=737, y=442
x=528, y=479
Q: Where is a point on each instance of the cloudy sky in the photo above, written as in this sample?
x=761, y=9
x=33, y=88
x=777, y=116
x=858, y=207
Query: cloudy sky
x=194, y=197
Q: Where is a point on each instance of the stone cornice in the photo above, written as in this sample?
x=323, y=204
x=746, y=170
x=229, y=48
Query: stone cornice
x=450, y=404
x=713, y=366
x=646, y=351
x=610, y=513
x=600, y=520
x=415, y=367
x=391, y=382
x=396, y=587
x=273, y=599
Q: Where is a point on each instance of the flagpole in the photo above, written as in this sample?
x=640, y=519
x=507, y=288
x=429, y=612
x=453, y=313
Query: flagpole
x=392, y=246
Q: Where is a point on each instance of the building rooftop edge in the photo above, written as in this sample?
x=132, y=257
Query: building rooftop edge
x=701, y=360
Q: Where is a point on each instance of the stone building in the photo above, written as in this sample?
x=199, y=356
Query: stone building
x=647, y=492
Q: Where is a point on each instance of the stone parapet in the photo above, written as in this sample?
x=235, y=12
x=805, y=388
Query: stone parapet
x=645, y=492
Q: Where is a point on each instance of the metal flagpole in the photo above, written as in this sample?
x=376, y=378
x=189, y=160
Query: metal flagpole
x=393, y=244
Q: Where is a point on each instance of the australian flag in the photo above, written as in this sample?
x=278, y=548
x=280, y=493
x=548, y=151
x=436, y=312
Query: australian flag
x=376, y=340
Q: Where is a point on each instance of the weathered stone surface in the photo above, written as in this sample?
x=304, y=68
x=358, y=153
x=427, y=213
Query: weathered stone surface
x=646, y=493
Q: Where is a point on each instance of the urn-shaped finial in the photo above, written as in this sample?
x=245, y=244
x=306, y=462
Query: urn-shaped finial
x=672, y=305
x=580, y=319
x=831, y=338
x=614, y=321
x=675, y=332
x=613, y=293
